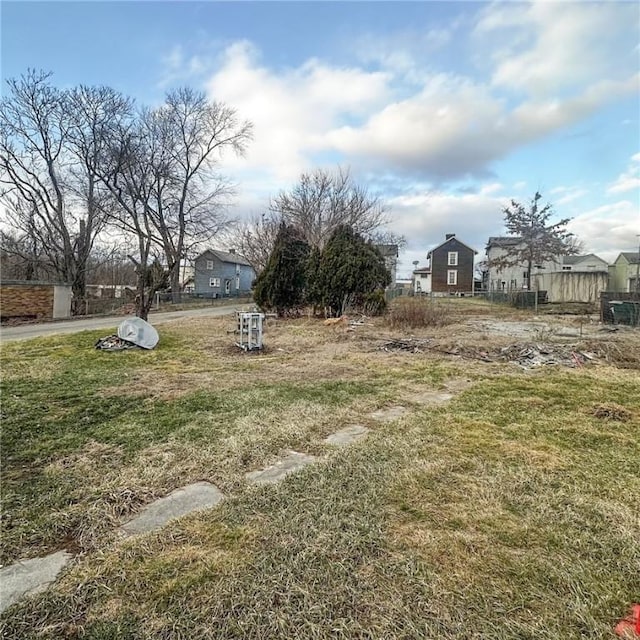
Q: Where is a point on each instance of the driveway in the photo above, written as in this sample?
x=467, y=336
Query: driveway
x=27, y=331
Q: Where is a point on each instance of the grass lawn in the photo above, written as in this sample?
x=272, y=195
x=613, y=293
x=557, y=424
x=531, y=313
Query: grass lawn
x=511, y=512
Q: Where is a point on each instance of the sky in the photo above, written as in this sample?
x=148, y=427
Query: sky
x=445, y=110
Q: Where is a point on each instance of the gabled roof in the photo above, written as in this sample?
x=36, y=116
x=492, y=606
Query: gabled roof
x=578, y=259
x=225, y=256
x=630, y=256
x=449, y=240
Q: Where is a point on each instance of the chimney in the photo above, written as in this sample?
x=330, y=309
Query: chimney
x=232, y=250
x=448, y=236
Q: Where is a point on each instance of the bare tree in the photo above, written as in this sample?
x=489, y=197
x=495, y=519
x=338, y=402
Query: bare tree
x=540, y=240
x=48, y=191
x=193, y=135
x=255, y=239
x=322, y=201
x=22, y=258
x=160, y=174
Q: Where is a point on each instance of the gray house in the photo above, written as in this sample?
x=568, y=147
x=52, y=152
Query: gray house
x=219, y=274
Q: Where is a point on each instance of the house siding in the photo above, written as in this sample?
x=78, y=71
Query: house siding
x=224, y=271
x=622, y=274
x=513, y=276
x=440, y=267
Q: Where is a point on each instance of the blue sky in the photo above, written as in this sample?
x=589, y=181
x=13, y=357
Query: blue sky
x=447, y=110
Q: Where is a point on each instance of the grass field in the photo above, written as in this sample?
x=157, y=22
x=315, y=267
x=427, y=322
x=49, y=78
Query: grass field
x=510, y=512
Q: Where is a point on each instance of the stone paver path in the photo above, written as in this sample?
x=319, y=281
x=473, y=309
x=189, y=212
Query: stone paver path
x=346, y=436
x=29, y=576
x=193, y=497
x=292, y=462
x=388, y=414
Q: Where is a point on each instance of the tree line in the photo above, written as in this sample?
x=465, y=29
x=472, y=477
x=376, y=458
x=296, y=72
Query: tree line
x=85, y=163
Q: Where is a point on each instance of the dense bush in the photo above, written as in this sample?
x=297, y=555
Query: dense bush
x=281, y=286
x=350, y=269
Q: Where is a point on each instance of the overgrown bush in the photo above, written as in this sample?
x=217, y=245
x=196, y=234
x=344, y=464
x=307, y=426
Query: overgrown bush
x=374, y=303
x=411, y=313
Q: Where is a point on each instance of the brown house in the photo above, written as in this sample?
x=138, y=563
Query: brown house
x=452, y=267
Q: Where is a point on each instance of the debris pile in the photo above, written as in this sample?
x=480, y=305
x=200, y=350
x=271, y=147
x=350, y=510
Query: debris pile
x=114, y=343
x=534, y=355
x=527, y=355
x=412, y=345
x=133, y=332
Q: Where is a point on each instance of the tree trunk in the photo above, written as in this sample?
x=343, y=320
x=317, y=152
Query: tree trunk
x=175, y=283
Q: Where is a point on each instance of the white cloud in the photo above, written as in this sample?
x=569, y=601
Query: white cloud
x=293, y=108
x=454, y=126
x=543, y=48
x=629, y=179
x=424, y=218
x=609, y=229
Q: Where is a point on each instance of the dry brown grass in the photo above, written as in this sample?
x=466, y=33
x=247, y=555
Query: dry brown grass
x=500, y=507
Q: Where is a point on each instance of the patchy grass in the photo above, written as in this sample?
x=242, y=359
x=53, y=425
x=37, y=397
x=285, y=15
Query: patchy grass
x=509, y=513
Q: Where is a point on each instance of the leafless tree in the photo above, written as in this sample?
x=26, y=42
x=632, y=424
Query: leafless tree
x=22, y=258
x=193, y=134
x=254, y=238
x=48, y=188
x=160, y=172
x=319, y=203
x=322, y=201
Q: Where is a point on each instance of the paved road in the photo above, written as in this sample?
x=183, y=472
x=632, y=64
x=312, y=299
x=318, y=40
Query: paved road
x=26, y=331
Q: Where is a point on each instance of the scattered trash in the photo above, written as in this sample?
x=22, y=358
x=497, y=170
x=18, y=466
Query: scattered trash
x=525, y=355
x=412, y=345
x=114, y=343
x=139, y=332
x=132, y=333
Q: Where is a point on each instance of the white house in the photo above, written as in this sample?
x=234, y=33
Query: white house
x=422, y=280
x=565, y=279
x=512, y=278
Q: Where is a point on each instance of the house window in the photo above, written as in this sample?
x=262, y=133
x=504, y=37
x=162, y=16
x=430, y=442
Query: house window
x=227, y=286
x=452, y=276
x=453, y=259
x=566, y=268
x=214, y=282
x=209, y=265
x=525, y=275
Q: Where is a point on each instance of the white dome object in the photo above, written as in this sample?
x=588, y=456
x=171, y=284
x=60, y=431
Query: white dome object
x=139, y=332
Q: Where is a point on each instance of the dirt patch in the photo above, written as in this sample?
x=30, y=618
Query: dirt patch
x=611, y=411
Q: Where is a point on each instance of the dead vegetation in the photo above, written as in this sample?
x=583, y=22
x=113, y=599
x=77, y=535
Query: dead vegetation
x=496, y=490
x=611, y=411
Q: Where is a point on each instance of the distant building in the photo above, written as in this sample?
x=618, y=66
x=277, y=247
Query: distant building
x=451, y=265
x=623, y=273
x=219, y=274
x=390, y=254
x=565, y=278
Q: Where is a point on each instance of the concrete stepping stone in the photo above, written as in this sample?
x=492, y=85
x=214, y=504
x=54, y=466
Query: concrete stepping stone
x=291, y=463
x=30, y=576
x=193, y=497
x=388, y=414
x=346, y=436
x=433, y=397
